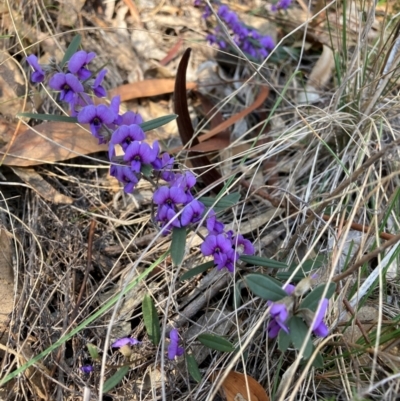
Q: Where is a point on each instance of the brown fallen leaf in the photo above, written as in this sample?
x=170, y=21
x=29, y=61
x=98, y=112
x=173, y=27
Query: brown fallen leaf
x=238, y=387
x=147, y=88
x=41, y=186
x=48, y=142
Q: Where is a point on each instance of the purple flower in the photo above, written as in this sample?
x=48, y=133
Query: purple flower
x=86, y=369
x=289, y=288
x=126, y=176
x=215, y=244
x=173, y=347
x=130, y=117
x=97, y=86
x=138, y=153
x=279, y=315
x=114, y=106
x=96, y=116
x=166, y=216
x=78, y=102
x=38, y=74
x=281, y=5
x=226, y=260
x=169, y=196
x=78, y=62
x=166, y=164
x=68, y=84
x=192, y=212
x=243, y=246
x=126, y=134
x=213, y=225
x=125, y=341
x=267, y=42
x=319, y=327
x=186, y=181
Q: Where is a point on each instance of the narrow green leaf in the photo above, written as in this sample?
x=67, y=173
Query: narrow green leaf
x=72, y=48
x=193, y=368
x=265, y=262
x=146, y=170
x=284, y=341
x=178, y=245
x=197, y=270
x=225, y=202
x=237, y=294
x=298, y=332
x=150, y=318
x=93, y=351
x=216, y=342
x=158, y=122
x=318, y=362
x=265, y=287
x=49, y=117
x=312, y=300
x=116, y=378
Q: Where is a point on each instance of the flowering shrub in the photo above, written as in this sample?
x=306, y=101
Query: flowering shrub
x=174, y=195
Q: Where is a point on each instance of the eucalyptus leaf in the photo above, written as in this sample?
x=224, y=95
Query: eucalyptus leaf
x=49, y=117
x=265, y=287
x=197, y=270
x=178, y=245
x=193, y=368
x=312, y=300
x=151, y=321
x=158, y=122
x=72, y=49
x=116, y=378
x=284, y=340
x=216, y=342
x=223, y=203
x=298, y=333
x=265, y=262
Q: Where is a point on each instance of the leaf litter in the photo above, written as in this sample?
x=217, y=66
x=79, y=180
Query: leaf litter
x=299, y=150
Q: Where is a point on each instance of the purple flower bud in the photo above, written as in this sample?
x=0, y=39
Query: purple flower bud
x=173, y=347
x=126, y=176
x=166, y=216
x=97, y=87
x=319, y=327
x=125, y=341
x=279, y=315
x=77, y=63
x=86, y=369
x=213, y=225
x=166, y=164
x=38, y=73
x=68, y=84
x=138, y=153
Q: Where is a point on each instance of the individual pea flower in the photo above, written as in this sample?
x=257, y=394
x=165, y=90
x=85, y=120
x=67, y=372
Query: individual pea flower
x=166, y=216
x=96, y=116
x=97, y=87
x=165, y=164
x=125, y=341
x=78, y=62
x=86, y=369
x=192, y=212
x=242, y=245
x=186, y=181
x=138, y=153
x=215, y=244
x=38, y=74
x=226, y=260
x=174, y=349
x=281, y=5
x=126, y=134
x=169, y=196
x=126, y=176
x=68, y=84
x=319, y=328
x=213, y=225
x=129, y=117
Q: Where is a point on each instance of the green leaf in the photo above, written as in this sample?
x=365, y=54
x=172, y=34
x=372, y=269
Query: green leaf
x=216, y=342
x=72, y=48
x=312, y=300
x=318, y=362
x=197, y=270
x=49, y=117
x=93, y=351
x=298, y=332
x=150, y=318
x=265, y=287
x=265, y=262
x=157, y=122
x=193, y=368
x=237, y=294
x=178, y=245
x=225, y=202
x=284, y=340
x=116, y=378
x=146, y=170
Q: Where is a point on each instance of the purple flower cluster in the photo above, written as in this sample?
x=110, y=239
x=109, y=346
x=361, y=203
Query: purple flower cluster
x=246, y=38
x=176, y=203
x=280, y=313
